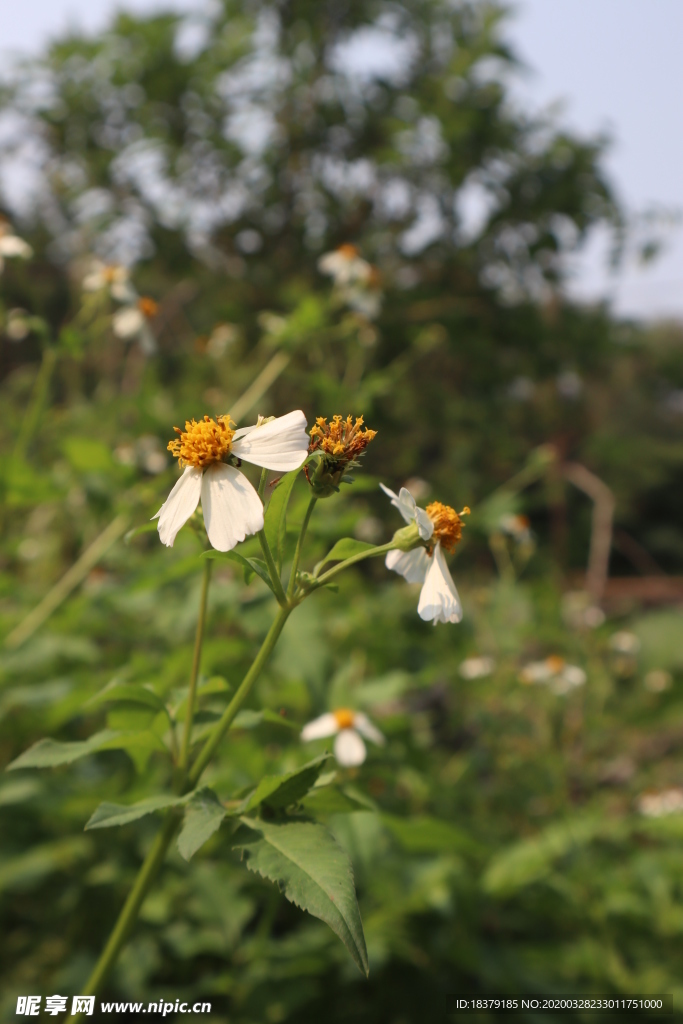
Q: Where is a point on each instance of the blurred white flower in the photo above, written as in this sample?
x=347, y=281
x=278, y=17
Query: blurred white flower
x=17, y=325
x=231, y=507
x=657, y=680
x=222, y=336
x=356, y=280
x=131, y=322
x=553, y=672
x=438, y=525
x=349, y=727
x=624, y=642
x=657, y=805
x=477, y=668
x=112, y=276
x=11, y=246
x=517, y=527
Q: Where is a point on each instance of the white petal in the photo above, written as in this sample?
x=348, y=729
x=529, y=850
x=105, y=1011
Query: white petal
x=425, y=526
x=281, y=444
x=324, y=725
x=349, y=748
x=232, y=508
x=403, y=501
x=412, y=565
x=12, y=245
x=363, y=724
x=179, y=506
x=439, y=599
x=127, y=322
x=121, y=291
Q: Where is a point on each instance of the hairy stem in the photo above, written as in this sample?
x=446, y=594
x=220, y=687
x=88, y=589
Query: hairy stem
x=299, y=546
x=194, y=675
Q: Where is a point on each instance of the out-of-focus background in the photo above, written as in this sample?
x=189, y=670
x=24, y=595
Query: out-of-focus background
x=518, y=347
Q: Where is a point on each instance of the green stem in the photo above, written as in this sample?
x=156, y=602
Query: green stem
x=196, y=660
x=39, y=397
x=238, y=700
x=131, y=907
x=299, y=546
x=154, y=858
x=272, y=569
x=370, y=553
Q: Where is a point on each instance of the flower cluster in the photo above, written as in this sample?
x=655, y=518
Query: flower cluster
x=658, y=805
x=132, y=320
x=338, y=446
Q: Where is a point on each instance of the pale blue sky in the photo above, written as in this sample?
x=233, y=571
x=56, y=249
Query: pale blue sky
x=615, y=64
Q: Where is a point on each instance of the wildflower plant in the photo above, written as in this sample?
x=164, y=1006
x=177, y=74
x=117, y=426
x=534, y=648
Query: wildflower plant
x=270, y=825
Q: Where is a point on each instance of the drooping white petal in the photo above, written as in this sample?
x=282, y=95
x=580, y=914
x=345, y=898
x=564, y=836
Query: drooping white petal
x=179, y=506
x=412, y=565
x=364, y=726
x=439, y=599
x=349, y=748
x=324, y=725
x=281, y=444
x=232, y=508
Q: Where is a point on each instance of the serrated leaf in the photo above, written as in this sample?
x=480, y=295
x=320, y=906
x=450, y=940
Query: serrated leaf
x=279, y=791
x=311, y=870
x=130, y=693
x=276, y=516
x=345, y=548
x=250, y=565
x=49, y=753
x=203, y=816
x=108, y=815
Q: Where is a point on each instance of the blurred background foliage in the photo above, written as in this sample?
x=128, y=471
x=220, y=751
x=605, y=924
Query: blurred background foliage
x=502, y=847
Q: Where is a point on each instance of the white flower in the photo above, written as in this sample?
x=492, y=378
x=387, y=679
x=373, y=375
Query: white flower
x=132, y=322
x=349, y=727
x=232, y=509
x=555, y=672
x=345, y=266
x=658, y=680
x=657, y=805
x=477, y=668
x=517, y=527
x=624, y=642
x=11, y=246
x=439, y=600
x=112, y=276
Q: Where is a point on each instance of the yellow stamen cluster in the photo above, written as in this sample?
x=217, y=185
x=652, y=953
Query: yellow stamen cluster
x=345, y=718
x=202, y=443
x=348, y=251
x=555, y=663
x=447, y=524
x=341, y=439
x=148, y=307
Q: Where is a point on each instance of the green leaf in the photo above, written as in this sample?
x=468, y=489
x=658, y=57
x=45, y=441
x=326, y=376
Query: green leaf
x=203, y=817
x=327, y=800
x=422, y=834
x=48, y=753
x=283, y=790
x=311, y=870
x=130, y=693
x=343, y=549
x=248, y=719
x=107, y=815
x=276, y=516
x=250, y=565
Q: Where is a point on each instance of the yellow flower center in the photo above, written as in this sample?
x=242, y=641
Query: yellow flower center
x=343, y=439
x=345, y=718
x=555, y=663
x=447, y=524
x=348, y=251
x=202, y=443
